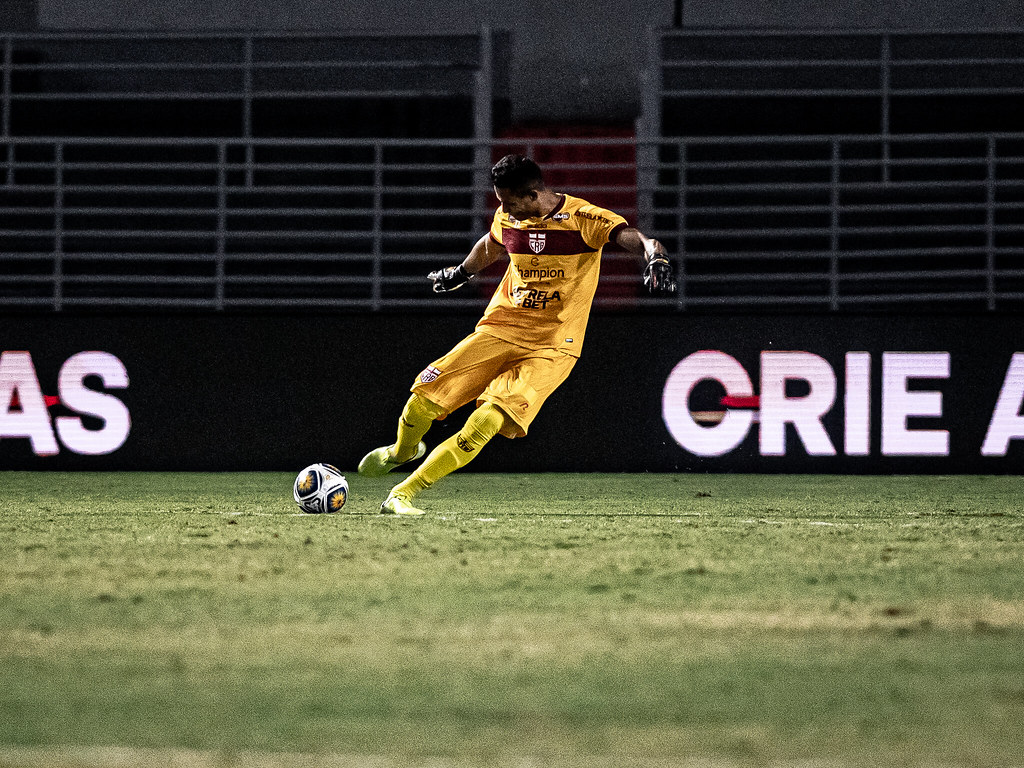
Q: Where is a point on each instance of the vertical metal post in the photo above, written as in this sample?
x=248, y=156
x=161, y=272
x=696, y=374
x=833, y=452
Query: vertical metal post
x=679, y=14
x=377, y=266
x=648, y=129
x=58, y=228
x=222, y=225
x=5, y=107
x=247, y=86
x=886, y=84
x=833, y=273
x=990, y=225
x=483, y=127
x=681, y=203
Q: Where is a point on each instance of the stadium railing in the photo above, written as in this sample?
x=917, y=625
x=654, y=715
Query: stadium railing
x=249, y=85
x=764, y=81
x=840, y=169
x=822, y=222
x=269, y=171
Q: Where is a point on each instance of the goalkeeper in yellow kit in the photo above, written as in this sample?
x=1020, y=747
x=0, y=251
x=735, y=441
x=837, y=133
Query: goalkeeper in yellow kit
x=531, y=333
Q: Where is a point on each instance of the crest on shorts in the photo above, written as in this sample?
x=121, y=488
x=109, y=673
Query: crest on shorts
x=537, y=241
x=430, y=373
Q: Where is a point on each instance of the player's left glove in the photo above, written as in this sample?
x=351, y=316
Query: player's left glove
x=658, y=275
x=449, y=278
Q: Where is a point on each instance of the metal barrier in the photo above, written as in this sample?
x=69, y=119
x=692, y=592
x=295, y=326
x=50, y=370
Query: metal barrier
x=846, y=222
x=729, y=82
x=263, y=195
x=248, y=84
x=822, y=222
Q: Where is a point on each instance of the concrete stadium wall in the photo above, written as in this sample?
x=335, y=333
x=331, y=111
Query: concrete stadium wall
x=857, y=394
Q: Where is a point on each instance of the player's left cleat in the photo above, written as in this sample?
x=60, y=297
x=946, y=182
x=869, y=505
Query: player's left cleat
x=399, y=505
x=378, y=462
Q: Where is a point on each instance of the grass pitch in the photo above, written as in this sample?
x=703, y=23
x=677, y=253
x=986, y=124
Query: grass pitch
x=158, y=619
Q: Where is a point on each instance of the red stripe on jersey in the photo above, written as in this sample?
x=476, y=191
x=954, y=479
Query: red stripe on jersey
x=551, y=242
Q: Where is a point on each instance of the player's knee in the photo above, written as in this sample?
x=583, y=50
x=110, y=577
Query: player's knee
x=420, y=406
x=483, y=424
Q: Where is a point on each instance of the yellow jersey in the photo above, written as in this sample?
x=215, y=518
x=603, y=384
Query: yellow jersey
x=544, y=299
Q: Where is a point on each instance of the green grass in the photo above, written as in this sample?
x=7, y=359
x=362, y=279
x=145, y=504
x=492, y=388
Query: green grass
x=566, y=619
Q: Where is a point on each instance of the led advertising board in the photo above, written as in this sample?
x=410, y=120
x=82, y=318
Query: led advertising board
x=768, y=393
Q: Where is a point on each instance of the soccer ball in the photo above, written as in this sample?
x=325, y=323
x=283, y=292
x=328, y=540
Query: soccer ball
x=320, y=488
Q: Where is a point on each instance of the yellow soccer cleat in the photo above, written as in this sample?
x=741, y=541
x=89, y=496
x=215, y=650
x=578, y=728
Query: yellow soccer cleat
x=399, y=505
x=378, y=462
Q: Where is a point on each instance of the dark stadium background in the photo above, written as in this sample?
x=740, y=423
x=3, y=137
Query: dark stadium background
x=890, y=218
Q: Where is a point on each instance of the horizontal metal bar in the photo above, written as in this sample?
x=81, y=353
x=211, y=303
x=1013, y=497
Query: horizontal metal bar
x=441, y=36
x=827, y=163
x=883, y=207
x=729, y=93
x=841, y=255
x=722, y=93
x=836, y=32
x=628, y=141
x=121, y=279
x=762, y=186
x=195, y=94
x=246, y=234
x=305, y=188
x=980, y=159
x=773, y=277
x=235, y=212
x=881, y=229
x=918, y=297
x=783, y=62
x=239, y=65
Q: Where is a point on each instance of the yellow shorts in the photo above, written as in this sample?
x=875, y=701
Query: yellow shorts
x=484, y=368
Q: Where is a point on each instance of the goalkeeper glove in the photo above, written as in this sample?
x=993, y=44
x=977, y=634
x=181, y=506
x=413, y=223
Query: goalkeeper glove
x=449, y=278
x=658, y=274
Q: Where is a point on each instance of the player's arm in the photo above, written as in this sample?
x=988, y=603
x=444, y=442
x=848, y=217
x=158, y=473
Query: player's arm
x=484, y=252
x=657, y=268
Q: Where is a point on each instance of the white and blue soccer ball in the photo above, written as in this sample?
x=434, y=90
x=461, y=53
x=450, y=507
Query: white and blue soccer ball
x=320, y=488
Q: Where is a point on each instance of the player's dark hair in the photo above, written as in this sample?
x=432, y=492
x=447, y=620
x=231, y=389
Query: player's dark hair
x=517, y=173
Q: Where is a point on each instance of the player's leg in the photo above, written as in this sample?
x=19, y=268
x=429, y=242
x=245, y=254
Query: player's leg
x=507, y=406
x=443, y=386
x=522, y=389
x=417, y=417
x=454, y=453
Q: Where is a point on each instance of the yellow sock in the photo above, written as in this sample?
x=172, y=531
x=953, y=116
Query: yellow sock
x=417, y=416
x=455, y=452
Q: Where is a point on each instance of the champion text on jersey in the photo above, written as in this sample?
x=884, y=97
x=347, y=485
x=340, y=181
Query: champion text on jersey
x=539, y=274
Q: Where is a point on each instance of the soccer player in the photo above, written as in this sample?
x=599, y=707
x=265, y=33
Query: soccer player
x=531, y=333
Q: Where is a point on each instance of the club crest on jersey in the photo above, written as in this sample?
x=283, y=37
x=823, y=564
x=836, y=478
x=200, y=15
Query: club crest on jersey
x=430, y=373
x=537, y=241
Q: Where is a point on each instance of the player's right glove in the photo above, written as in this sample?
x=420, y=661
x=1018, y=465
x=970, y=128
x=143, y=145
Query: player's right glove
x=449, y=278
x=658, y=275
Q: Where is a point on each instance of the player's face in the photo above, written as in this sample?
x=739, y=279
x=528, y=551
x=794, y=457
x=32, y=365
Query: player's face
x=519, y=207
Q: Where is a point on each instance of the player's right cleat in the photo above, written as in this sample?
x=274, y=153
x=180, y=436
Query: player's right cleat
x=399, y=505
x=378, y=462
